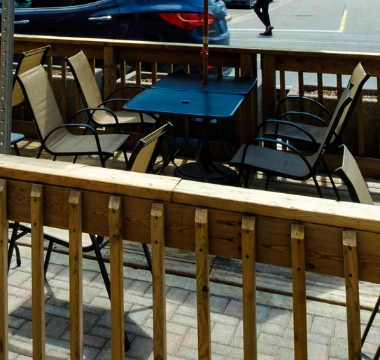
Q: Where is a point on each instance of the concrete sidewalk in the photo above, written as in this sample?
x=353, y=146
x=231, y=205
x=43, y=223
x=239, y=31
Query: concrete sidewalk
x=327, y=332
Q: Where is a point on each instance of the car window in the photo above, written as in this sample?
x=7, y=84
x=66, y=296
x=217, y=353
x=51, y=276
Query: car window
x=58, y=3
x=22, y=4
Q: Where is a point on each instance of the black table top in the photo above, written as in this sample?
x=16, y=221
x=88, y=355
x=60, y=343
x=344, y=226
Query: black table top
x=187, y=103
x=224, y=84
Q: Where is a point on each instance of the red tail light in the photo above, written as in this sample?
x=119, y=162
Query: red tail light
x=187, y=21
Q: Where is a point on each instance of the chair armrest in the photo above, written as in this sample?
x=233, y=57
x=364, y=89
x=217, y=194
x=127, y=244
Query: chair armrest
x=301, y=98
x=300, y=113
x=126, y=87
x=287, y=123
x=98, y=109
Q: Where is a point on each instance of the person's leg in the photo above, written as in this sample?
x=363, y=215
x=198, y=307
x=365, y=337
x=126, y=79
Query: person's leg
x=261, y=9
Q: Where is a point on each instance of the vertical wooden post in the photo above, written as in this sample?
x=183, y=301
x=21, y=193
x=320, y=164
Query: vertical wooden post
x=249, y=287
x=154, y=73
x=359, y=111
x=158, y=278
x=203, y=284
x=49, y=67
x=299, y=291
x=64, y=90
x=268, y=69
x=301, y=90
x=249, y=114
x=117, y=284
x=3, y=272
x=76, y=278
x=109, y=76
x=38, y=281
x=351, y=274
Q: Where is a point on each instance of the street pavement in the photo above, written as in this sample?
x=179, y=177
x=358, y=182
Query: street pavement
x=327, y=334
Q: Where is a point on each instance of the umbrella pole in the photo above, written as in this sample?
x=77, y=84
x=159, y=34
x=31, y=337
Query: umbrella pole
x=204, y=52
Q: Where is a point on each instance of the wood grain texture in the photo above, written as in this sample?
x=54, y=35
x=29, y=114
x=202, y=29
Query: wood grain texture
x=299, y=291
x=249, y=287
x=158, y=280
x=203, y=284
x=76, y=278
x=117, y=283
x=351, y=272
x=3, y=272
x=38, y=281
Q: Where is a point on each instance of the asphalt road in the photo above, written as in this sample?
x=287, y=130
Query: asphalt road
x=312, y=25
x=339, y=25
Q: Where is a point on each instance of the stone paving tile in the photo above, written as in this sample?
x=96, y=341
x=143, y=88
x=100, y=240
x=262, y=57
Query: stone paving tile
x=323, y=325
x=138, y=314
x=279, y=316
x=272, y=329
x=177, y=296
x=89, y=340
x=223, y=333
x=57, y=326
x=338, y=348
x=138, y=288
x=141, y=347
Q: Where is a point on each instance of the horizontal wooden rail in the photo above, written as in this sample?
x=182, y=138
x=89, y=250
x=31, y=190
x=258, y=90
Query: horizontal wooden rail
x=301, y=233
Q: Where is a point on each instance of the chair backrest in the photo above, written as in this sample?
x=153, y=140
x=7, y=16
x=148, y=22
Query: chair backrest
x=357, y=81
x=84, y=77
x=145, y=153
x=40, y=97
x=28, y=60
x=350, y=174
x=339, y=113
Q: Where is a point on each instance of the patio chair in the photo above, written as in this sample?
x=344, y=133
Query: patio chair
x=92, y=99
x=53, y=132
x=357, y=188
x=291, y=163
x=315, y=126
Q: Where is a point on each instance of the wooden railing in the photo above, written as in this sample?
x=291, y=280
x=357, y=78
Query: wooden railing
x=304, y=234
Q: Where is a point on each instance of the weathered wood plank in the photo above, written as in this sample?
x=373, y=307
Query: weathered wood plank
x=158, y=281
x=351, y=273
x=116, y=264
x=3, y=272
x=299, y=291
x=249, y=287
x=38, y=281
x=76, y=278
x=203, y=284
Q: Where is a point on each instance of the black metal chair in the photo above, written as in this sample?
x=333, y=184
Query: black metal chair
x=290, y=163
x=357, y=188
x=315, y=125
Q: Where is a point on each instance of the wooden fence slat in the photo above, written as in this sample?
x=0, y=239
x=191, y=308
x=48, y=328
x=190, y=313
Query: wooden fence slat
x=299, y=291
x=203, y=284
x=301, y=90
x=360, y=114
x=38, y=281
x=3, y=271
x=158, y=280
x=117, y=283
x=249, y=287
x=268, y=101
x=351, y=273
x=63, y=84
x=378, y=105
x=76, y=278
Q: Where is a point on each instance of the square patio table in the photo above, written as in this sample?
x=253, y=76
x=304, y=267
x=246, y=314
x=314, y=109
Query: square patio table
x=205, y=105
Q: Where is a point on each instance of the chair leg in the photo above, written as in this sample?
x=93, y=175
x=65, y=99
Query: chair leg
x=331, y=180
x=16, y=149
x=106, y=280
x=267, y=182
x=318, y=187
x=12, y=245
x=377, y=355
x=102, y=267
x=147, y=256
x=370, y=321
x=47, y=257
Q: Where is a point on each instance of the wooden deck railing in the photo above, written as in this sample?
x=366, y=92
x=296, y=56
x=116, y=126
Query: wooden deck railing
x=304, y=234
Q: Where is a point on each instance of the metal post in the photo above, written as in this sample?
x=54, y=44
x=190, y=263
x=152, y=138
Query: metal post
x=6, y=64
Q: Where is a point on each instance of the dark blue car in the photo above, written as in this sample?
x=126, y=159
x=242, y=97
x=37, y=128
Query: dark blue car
x=151, y=20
